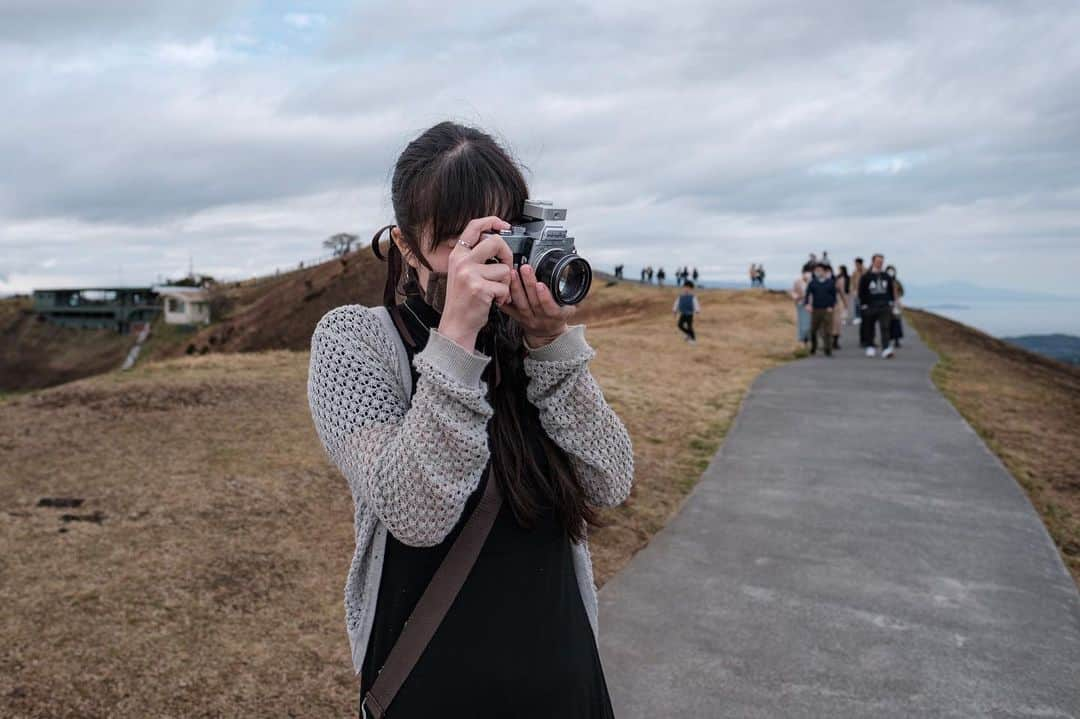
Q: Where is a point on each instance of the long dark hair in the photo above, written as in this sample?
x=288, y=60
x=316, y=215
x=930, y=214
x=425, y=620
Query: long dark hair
x=446, y=177
x=843, y=275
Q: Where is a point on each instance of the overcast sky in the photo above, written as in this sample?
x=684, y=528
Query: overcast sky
x=240, y=134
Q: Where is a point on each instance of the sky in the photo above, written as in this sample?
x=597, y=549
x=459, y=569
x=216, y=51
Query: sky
x=235, y=136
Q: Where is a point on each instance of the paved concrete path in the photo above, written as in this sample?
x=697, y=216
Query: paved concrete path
x=848, y=553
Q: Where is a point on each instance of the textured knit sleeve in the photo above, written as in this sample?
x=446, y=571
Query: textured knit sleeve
x=417, y=464
x=576, y=416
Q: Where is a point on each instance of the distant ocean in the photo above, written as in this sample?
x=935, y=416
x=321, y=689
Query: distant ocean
x=1010, y=319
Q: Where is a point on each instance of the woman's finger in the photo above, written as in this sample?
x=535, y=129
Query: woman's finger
x=499, y=292
x=517, y=294
x=471, y=235
x=549, y=306
x=528, y=278
x=492, y=246
x=511, y=310
x=496, y=272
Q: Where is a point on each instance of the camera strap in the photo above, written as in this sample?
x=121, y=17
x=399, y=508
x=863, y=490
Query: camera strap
x=434, y=603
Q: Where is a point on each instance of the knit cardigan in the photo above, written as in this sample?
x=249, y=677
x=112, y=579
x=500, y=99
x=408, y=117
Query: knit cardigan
x=412, y=458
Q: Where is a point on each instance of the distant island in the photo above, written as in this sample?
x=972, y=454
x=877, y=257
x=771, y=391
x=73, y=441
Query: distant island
x=1064, y=348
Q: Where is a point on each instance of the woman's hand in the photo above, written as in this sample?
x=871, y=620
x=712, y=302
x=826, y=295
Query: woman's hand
x=535, y=309
x=472, y=284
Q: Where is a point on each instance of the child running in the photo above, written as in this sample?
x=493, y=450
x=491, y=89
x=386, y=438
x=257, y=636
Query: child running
x=686, y=306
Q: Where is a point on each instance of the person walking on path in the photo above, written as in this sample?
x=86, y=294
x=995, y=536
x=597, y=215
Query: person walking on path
x=896, y=324
x=694, y=276
x=877, y=296
x=660, y=275
x=856, y=278
x=821, y=303
x=843, y=290
x=686, y=306
x=802, y=314
x=475, y=387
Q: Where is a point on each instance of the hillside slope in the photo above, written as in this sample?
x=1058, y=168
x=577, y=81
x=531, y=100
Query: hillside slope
x=36, y=354
x=277, y=312
x=281, y=312
x=1064, y=348
x=1027, y=409
x=202, y=573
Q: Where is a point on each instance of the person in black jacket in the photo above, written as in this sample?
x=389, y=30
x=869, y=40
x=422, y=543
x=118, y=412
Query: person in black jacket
x=877, y=294
x=896, y=325
x=821, y=302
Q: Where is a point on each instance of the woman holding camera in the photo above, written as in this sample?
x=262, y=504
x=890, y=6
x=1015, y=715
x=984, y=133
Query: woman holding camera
x=475, y=378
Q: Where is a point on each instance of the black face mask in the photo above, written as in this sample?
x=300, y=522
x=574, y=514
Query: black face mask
x=435, y=293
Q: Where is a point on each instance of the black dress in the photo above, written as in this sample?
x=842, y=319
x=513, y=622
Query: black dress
x=516, y=641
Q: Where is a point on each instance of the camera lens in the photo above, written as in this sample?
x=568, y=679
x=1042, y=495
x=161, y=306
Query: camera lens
x=567, y=275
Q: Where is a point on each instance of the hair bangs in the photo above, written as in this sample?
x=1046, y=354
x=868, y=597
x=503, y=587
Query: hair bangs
x=470, y=183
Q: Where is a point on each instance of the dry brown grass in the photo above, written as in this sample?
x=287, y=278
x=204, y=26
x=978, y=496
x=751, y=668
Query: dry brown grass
x=213, y=584
x=1027, y=409
x=676, y=401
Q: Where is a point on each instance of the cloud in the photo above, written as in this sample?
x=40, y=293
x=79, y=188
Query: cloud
x=699, y=132
x=304, y=21
x=38, y=24
x=874, y=165
x=201, y=54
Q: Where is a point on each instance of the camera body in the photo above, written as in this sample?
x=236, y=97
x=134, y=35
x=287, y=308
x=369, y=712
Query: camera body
x=543, y=242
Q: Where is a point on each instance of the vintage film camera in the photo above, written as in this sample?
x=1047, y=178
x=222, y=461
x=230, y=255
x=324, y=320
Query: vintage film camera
x=543, y=243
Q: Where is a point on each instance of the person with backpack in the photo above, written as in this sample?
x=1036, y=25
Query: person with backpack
x=686, y=306
x=467, y=411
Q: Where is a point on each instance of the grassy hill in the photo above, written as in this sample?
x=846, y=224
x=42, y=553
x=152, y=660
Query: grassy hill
x=1064, y=348
x=35, y=354
x=202, y=572
x=277, y=312
x=1027, y=409
x=281, y=312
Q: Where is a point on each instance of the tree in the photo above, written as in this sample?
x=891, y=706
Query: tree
x=341, y=243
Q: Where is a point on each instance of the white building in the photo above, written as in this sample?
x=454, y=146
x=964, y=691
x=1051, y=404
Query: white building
x=184, y=305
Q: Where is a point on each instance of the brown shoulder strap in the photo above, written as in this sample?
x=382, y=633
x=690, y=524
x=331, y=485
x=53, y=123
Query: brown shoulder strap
x=434, y=603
